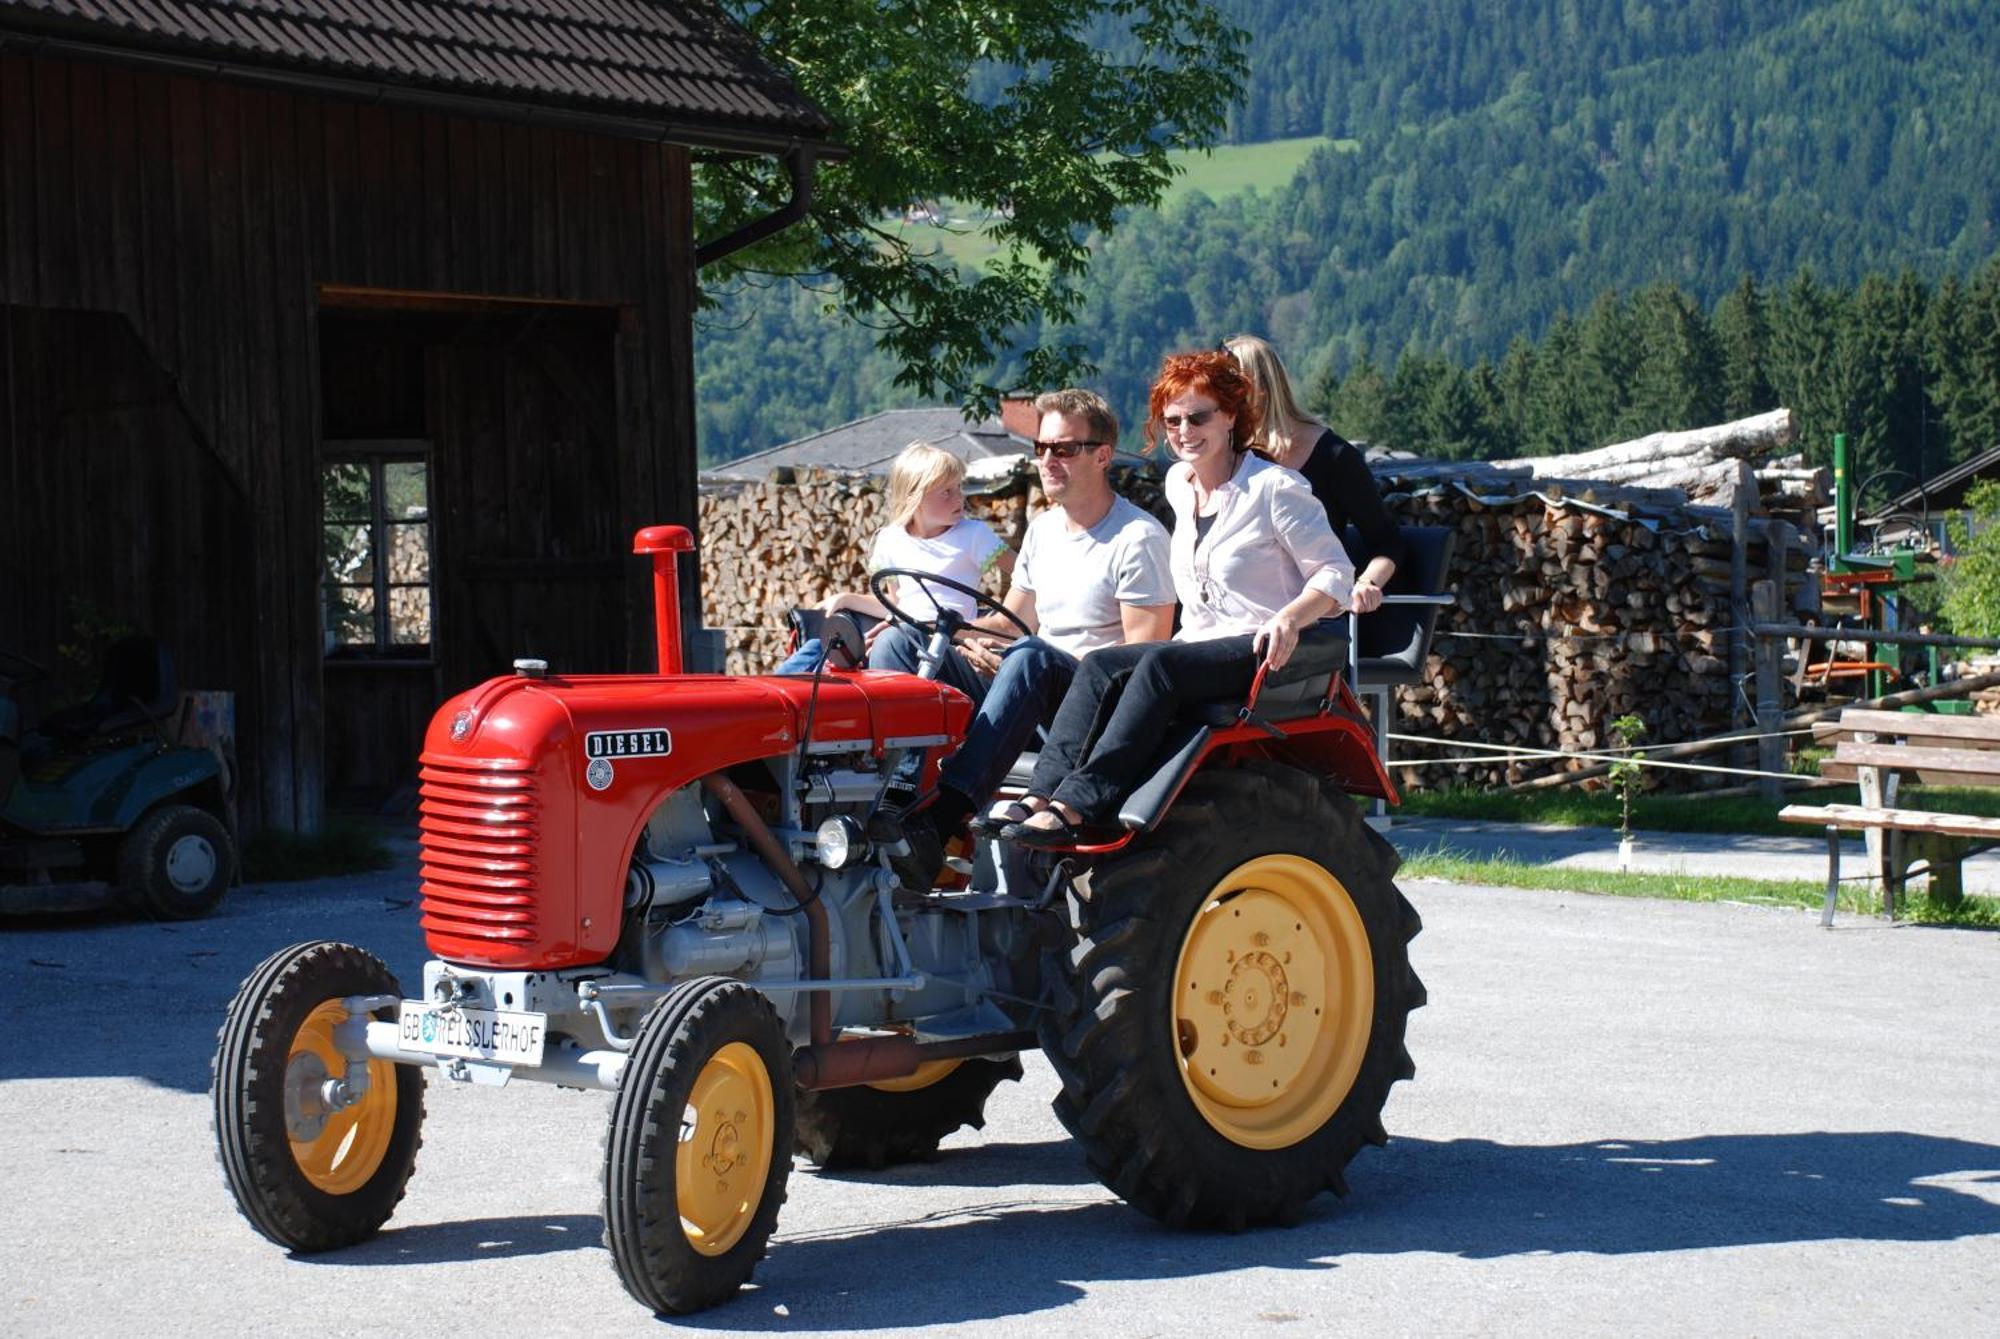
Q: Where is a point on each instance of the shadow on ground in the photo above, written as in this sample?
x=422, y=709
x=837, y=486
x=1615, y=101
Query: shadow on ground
x=1468, y=1197
x=166, y=985
x=1041, y=1248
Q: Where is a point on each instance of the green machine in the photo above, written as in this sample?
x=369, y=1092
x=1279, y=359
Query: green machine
x=1862, y=587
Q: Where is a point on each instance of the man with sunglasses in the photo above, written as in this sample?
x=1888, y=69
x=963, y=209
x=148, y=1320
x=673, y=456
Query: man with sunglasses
x=1092, y=573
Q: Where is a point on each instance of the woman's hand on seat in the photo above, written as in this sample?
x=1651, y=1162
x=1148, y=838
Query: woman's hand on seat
x=1278, y=638
x=1367, y=596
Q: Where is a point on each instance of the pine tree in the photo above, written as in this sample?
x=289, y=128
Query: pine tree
x=1678, y=382
x=1743, y=340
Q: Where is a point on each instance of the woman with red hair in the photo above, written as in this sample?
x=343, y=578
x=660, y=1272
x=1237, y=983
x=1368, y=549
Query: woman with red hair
x=1254, y=562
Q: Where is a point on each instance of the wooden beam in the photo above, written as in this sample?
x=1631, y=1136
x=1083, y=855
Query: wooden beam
x=1972, y=732
x=1933, y=767
x=1907, y=820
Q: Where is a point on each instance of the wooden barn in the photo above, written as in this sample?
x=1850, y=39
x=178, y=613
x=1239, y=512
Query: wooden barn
x=344, y=344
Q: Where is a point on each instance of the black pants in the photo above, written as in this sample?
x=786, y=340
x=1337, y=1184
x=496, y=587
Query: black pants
x=1114, y=717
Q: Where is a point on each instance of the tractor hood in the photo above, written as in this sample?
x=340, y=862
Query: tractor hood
x=534, y=789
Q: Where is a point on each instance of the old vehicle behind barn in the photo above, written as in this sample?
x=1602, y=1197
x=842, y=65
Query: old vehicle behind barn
x=698, y=892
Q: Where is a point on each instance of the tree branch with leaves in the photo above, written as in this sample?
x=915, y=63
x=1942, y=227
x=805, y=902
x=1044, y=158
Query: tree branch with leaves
x=1044, y=119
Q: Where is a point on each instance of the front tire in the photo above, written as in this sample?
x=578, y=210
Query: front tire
x=1231, y=1020
x=698, y=1146
x=307, y=1173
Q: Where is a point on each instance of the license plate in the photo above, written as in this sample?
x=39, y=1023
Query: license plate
x=505, y=1037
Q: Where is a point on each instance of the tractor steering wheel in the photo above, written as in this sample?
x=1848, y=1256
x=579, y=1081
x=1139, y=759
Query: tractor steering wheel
x=878, y=585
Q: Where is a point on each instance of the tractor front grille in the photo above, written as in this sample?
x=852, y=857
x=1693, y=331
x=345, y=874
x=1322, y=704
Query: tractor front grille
x=480, y=829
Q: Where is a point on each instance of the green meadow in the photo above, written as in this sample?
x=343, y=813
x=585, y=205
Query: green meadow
x=1228, y=170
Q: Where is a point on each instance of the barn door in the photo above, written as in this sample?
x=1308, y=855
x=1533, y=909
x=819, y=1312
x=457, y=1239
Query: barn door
x=526, y=461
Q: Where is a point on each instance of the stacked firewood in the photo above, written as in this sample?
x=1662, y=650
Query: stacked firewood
x=1570, y=615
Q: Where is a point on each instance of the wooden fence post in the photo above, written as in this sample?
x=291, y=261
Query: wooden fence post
x=1770, y=693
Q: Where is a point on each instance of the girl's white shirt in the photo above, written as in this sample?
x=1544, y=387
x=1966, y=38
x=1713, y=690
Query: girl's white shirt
x=962, y=553
x=1269, y=541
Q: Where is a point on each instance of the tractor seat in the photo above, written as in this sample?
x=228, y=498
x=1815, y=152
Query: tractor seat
x=1294, y=691
x=137, y=688
x=842, y=635
x=1395, y=639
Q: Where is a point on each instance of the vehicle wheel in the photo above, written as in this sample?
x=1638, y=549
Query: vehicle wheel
x=310, y=1175
x=899, y=1120
x=177, y=862
x=1230, y=1021
x=698, y=1146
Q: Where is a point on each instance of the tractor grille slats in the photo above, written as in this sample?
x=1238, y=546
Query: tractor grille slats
x=480, y=834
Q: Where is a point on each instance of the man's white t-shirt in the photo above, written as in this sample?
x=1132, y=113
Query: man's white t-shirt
x=1081, y=577
x=962, y=553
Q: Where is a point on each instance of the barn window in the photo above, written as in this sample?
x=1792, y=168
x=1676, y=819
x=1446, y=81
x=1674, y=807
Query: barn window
x=375, y=549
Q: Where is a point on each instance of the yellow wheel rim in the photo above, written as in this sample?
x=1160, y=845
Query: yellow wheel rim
x=337, y=1150
x=931, y=1071
x=724, y=1157
x=1274, y=997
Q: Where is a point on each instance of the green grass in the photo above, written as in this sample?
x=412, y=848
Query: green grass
x=341, y=847
x=1573, y=808
x=1857, y=899
x=1233, y=168
x=1227, y=170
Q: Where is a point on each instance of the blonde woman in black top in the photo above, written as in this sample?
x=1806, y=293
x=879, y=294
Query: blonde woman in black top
x=1333, y=465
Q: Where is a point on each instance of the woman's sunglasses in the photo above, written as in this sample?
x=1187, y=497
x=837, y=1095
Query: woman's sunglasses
x=1061, y=450
x=1194, y=420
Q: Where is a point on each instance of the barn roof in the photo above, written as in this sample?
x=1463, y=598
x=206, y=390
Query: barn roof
x=669, y=69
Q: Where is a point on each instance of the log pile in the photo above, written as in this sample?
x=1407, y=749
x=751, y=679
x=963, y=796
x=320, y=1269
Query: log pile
x=1569, y=616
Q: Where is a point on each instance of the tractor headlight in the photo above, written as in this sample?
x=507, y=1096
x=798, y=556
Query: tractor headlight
x=840, y=843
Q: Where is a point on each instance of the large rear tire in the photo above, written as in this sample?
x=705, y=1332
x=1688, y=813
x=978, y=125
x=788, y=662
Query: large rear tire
x=880, y=1125
x=1231, y=1019
x=698, y=1146
x=309, y=1174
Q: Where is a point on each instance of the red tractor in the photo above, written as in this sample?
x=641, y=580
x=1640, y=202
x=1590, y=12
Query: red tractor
x=694, y=891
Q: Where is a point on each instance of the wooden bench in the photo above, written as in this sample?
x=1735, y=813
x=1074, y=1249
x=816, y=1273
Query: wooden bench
x=1878, y=750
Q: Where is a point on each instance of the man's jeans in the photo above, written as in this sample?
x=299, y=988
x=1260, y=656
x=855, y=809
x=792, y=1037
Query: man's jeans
x=1024, y=694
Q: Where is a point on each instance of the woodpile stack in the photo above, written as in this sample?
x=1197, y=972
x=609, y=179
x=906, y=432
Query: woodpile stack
x=1570, y=615
x=1580, y=598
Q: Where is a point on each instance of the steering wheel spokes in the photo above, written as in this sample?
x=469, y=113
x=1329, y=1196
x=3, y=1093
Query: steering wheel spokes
x=947, y=619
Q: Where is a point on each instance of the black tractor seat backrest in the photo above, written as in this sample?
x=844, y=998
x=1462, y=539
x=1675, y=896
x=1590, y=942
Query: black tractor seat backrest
x=1396, y=638
x=137, y=688
x=1297, y=689
x=842, y=636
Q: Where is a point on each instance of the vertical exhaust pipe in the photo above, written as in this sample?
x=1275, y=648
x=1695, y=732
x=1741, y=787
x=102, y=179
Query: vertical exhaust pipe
x=666, y=543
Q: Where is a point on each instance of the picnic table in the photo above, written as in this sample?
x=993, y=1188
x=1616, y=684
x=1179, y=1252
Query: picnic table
x=1879, y=750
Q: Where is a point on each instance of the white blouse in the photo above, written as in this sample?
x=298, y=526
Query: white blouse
x=1269, y=541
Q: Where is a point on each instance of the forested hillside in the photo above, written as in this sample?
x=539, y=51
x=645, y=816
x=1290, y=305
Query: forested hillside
x=1516, y=160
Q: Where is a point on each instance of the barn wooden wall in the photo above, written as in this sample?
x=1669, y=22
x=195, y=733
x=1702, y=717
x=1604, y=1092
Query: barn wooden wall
x=215, y=218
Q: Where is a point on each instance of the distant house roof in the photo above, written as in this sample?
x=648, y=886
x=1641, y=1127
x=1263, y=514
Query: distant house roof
x=672, y=69
x=867, y=445
x=1945, y=491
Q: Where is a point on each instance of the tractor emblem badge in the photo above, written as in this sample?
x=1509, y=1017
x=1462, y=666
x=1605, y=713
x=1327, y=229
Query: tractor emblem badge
x=599, y=774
